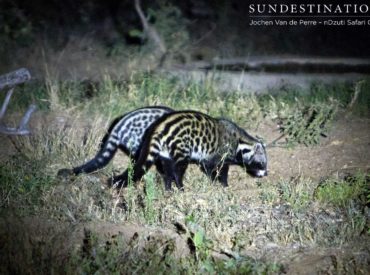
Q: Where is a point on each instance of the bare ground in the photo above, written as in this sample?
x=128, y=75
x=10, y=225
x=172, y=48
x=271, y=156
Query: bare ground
x=346, y=149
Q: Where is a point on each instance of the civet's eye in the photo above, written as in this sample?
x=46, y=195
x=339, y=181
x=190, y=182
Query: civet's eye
x=245, y=151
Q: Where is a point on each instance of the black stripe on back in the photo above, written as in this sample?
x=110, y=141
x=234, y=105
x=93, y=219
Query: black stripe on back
x=170, y=124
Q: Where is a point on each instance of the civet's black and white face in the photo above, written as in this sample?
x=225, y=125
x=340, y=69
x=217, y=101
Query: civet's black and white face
x=255, y=160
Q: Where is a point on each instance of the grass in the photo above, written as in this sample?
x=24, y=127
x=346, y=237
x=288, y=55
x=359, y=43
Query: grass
x=303, y=118
x=222, y=226
x=341, y=193
x=102, y=257
x=150, y=197
x=297, y=193
x=22, y=181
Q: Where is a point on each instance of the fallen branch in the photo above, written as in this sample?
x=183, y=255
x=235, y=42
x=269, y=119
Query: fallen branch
x=11, y=80
x=22, y=129
x=286, y=64
x=263, y=62
x=14, y=78
x=5, y=103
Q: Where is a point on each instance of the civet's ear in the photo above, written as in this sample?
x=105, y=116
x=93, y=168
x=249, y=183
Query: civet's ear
x=258, y=148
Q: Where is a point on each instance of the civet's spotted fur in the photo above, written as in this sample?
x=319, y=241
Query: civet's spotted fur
x=126, y=133
x=180, y=138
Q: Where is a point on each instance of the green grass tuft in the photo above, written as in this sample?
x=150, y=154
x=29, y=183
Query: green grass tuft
x=342, y=193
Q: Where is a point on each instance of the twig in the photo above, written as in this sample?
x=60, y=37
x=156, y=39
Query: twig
x=355, y=96
x=273, y=143
x=204, y=36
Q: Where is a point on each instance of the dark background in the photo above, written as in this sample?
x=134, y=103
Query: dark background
x=220, y=25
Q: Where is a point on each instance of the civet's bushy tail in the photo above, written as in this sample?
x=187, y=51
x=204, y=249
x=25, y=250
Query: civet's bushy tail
x=125, y=133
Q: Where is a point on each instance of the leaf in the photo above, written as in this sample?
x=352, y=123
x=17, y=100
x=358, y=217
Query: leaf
x=190, y=218
x=198, y=239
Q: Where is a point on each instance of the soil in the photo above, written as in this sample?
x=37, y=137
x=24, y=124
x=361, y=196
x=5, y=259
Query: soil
x=345, y=150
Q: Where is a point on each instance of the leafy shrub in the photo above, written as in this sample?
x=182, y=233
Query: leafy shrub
x=307, y=124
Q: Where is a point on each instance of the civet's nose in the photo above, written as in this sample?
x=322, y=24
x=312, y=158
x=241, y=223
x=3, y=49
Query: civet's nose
x=261, y=173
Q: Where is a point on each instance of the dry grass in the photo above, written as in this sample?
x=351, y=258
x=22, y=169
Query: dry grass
x=224, y=227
